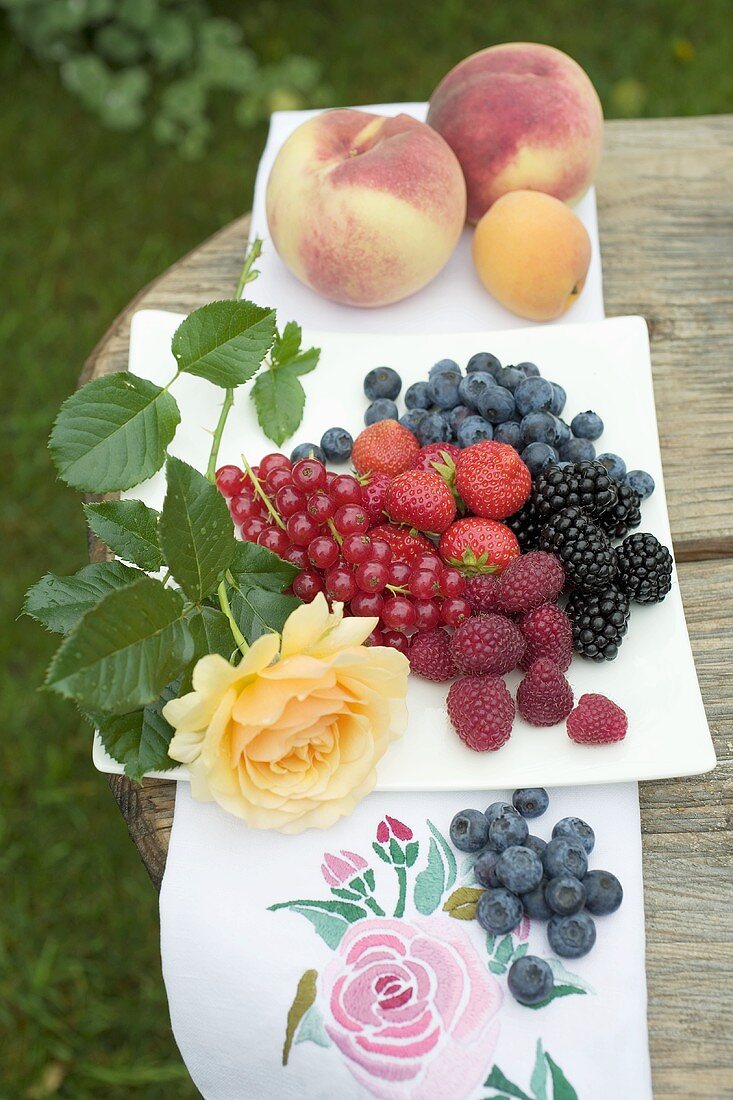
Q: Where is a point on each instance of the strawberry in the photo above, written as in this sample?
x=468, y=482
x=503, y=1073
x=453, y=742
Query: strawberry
x=374, y=495
x=492, y=479
x=436, y=455
x=479, y=545
x=421, y=499
x=404, y=545
x=385, y=448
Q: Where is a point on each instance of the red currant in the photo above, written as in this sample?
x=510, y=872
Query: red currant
x=429, y=562
x=395, y=640
x=345, y=489
x=455, y=611
x=309, y=474
x=351, y=520
x=252, y=528
x=452, y=583
x=272, y=462
x=399, y=573
x=277, y=478
x=367, y=603
x=356, y=549
x=230, y=480
x=307, y=585
x=320, y=506
x=244, y=507
x=375, y=638
x=371, y=576
x=423, y=584
x=399, y=613
x=381, y=551
x=275, y=539
x=288, y=501
x=297, y=555
x=427, y=614
x=340, y=583
x=323, y=552
x=301, y=528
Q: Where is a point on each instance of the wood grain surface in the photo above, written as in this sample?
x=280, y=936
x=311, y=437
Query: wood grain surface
x=665, y=204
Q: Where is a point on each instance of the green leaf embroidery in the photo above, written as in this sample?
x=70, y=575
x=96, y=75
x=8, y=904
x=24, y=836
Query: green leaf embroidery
x=496, y=967
x=224, y=342
x=450, y=859
x=211, y=633
x=505, y=950
x=304, y=997
x=329, y=918
x=497, y=1080
x=59, y=602
x=139, y=739
x=123, y=652
x=462, y=902
x=396, y=853
x=347, y=895
x=561, y=1087
x=279, y=401
x=255, y=566
x=538, y=1081
x=311, y=1029
x=560, y=974
x=369, y=878
x=382, y=853
x=557, y=992
x=520, y=951
x=113, y=433
x=196, y=530
x=411, y=852
x=130, y=530
x=429, y=883
x=345, y=909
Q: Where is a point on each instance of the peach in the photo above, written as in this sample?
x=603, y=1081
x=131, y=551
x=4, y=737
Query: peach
x=520, y=115
x=365, y=209
x=532, y=253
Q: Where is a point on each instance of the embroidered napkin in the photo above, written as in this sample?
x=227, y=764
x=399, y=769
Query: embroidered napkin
x=344, y=963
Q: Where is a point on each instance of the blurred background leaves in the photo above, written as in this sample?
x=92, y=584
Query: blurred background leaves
x=92, y=207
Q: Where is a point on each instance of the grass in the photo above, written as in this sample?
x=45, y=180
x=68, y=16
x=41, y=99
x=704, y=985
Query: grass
x=88, y=217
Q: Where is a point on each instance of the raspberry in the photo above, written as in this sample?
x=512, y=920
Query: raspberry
x=487, y=644
x=597, y=721
x=530, y=580
x=548, y=633
x=481, y=592
x=482, y=711
x=430, y=656
x=544, y=696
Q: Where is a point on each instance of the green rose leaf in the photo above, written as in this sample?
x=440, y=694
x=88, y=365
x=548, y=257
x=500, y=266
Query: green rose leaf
x=279, y=402
x=123, y=652
x=59, y=602
x=255, y=566
x=113, y=433
x=140, y=738
x=257, y=611
x=196, y=530
x=129, y=528
x=211, y=633
x=224, y=342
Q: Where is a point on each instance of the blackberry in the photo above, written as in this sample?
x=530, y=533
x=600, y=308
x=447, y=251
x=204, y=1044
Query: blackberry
x=526, y=526
x=623, y=516
x=584, y=550
x=599, y=621
x=644, y=568
x=584, y=485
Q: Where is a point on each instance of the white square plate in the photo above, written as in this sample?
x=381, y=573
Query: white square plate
x=603, y=365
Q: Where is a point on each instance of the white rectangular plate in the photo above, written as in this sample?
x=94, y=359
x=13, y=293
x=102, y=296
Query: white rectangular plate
x=603, y=366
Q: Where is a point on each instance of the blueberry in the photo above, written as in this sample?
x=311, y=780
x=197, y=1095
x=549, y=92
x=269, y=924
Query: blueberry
x=381, y=409
x=641, y=482
x=443, y=365
x=473, y=385
x=519, y=869
x=533, y=395
x=412, y=419
x=565, y=894
x=530, y=980
x=307, y=450
x=535, y=903
x=603, y=893
x=531, y=801
x=563, y=432
x=530, y=370
x=576, y=829
x=473, y=430
x=496, y=809
x=571, y=937
x=498, y=911
x=509, y=432
x=614, y=464
x=417, y=396
x=483, y=361
x=469, y=831
x=507, y=830
x=485, y=869
x=496, y=405
x=509, y=377
x=434, y=428
x=565, y=855
x=537, y=455
x=558, y=399
x=382, y=382
x=336, y=444
x=444, y=389
x=536, y=843
x=539, y=427
x=457, y=416
x=577, y=450
x=587, y=425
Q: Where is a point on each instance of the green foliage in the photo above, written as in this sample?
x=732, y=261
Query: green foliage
x=140, y=738
x=224, y=342
x=59, y=602
x=255, y=586
x=130, y=530
x=278, y=394
x=196, y=530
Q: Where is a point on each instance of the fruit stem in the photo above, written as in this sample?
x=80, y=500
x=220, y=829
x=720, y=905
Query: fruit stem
x=236, y=632
x=397, y=589
x=337, y=537
x=248, y=275
x=218, y=432
x=262, y=494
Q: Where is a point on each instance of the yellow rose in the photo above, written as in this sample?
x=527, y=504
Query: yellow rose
x=290, y=738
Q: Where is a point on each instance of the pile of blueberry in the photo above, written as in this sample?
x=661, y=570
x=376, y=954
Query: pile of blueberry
x=522, y=874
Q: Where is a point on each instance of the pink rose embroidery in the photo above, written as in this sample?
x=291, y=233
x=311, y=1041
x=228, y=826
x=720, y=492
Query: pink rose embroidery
x=339, y=869
x=413, y=1008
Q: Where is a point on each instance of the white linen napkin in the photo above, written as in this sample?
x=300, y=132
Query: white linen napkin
x=281, y=954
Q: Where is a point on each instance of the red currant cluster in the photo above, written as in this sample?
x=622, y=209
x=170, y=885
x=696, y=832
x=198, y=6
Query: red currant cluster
x=320, y=521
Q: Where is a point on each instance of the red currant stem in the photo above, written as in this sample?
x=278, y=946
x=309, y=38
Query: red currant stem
x=332, y=528
x=218, y=432
x=262, y=494
x=397, y=589
x=249, y=274
x=236, y=632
